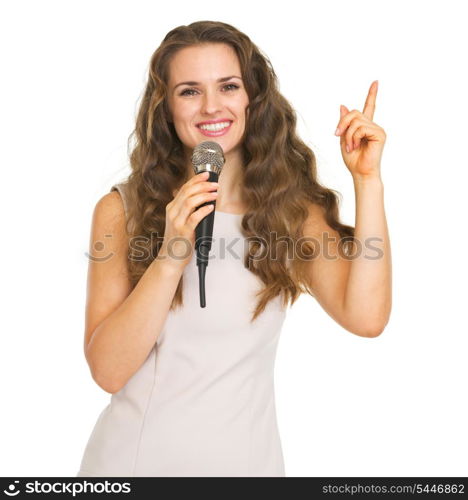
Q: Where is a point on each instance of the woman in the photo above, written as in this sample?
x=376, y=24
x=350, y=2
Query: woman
x=192, y=388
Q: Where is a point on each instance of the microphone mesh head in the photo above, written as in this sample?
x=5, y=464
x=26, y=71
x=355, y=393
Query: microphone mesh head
x=208, y=155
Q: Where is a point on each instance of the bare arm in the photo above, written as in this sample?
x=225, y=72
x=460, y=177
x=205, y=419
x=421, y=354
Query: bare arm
x=356, y=293
x=123, y=325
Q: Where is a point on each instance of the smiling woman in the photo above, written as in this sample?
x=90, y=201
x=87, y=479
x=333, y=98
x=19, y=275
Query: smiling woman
x=192, y=389
x=211, y=106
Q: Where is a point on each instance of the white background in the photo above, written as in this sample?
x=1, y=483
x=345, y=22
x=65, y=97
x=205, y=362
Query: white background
x=72, y=74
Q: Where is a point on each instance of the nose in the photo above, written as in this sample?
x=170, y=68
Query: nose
x=211, y=103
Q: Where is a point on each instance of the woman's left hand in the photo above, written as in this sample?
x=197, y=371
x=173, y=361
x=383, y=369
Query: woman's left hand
x=364, y=138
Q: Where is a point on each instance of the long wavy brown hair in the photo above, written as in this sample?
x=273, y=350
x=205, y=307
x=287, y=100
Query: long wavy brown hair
x=279, y=170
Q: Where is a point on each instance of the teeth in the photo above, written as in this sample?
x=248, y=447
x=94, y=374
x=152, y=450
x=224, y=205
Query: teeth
x=215, y=126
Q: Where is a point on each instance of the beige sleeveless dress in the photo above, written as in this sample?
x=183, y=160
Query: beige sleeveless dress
x=202, y=403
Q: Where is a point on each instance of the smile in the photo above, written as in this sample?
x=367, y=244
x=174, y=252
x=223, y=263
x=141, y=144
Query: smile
x=215, y=129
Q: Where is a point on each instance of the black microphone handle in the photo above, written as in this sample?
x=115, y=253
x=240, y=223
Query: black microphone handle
x=203, y=239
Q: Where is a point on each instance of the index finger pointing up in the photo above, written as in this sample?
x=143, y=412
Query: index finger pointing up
x=369, y=106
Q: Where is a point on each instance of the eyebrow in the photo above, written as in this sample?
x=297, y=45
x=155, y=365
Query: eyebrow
x=220, y=80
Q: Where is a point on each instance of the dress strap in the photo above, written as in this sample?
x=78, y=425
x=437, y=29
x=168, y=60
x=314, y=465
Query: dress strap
x=121, y=188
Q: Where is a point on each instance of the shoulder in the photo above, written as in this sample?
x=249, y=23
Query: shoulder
x=109, y=212
x=111, y=204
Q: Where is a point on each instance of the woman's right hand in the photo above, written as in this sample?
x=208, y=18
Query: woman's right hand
x=182, y=218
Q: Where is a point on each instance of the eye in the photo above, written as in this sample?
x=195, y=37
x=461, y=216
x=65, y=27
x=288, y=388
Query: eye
x=232, y=85
x=185, y=92
x=189, y=91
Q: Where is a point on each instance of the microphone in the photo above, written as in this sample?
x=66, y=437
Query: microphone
x=206, y=157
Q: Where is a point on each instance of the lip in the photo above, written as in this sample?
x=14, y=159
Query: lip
x=215, y=133
x=209, y=122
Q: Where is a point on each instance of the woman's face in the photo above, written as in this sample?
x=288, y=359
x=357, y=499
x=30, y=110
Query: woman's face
x=205, y=98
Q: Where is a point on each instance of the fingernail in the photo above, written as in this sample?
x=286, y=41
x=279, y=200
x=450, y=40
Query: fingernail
x=337, y=131
x=347, y=148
